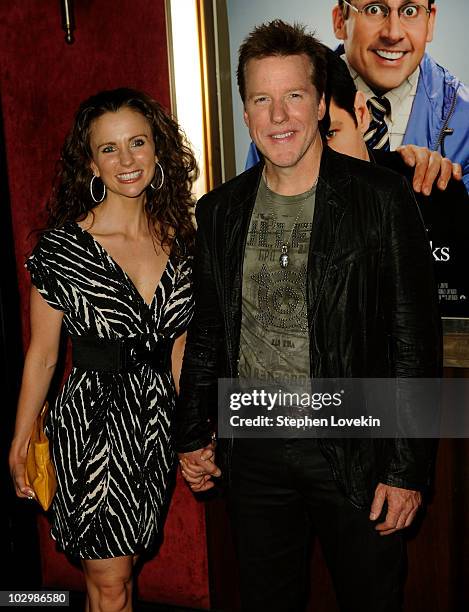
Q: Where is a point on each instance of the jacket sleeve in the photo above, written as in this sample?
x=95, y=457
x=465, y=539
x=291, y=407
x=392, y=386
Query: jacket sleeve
x=415, y=338
x=197, y=402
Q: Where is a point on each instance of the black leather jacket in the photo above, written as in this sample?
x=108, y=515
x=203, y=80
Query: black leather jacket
x=372, y=308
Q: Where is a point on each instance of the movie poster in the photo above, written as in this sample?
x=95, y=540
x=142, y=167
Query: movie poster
x=446, y=216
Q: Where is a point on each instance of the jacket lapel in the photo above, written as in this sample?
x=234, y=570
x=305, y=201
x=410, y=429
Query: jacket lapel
x=331, y=203
x=236, y=221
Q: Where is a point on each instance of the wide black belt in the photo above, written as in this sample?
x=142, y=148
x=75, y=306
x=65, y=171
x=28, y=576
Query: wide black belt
x=119, y=355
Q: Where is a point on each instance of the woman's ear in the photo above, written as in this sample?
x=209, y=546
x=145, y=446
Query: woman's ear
x=94, y=168
x=361, y=112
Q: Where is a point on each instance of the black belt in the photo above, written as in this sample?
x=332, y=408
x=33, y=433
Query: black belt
x=118, y=355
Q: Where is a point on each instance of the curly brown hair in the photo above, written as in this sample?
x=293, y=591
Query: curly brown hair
x=170, y=208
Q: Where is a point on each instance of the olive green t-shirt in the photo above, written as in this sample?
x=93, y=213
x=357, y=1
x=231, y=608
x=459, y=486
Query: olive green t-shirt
x=274, y=329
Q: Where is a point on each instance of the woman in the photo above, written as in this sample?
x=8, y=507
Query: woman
x=114, y=268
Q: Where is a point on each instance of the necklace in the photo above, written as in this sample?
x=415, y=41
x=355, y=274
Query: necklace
x=284, y=259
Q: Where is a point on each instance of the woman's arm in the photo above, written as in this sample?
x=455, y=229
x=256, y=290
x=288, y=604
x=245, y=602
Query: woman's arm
x=39, y=367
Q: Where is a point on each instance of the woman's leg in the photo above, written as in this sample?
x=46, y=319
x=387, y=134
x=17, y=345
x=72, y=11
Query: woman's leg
x=109, y=584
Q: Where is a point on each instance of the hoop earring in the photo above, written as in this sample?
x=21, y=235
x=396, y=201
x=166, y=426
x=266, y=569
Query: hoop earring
x=161, y=180
x=96, y=200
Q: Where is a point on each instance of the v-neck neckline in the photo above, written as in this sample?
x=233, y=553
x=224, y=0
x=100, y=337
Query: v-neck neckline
x=126, y=276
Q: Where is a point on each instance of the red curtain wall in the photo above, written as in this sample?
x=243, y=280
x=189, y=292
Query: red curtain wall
x=42, y=81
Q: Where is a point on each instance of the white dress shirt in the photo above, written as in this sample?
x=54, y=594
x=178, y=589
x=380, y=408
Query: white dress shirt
x=401, y=99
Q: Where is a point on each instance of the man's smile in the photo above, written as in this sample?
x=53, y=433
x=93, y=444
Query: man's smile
x=389, y=55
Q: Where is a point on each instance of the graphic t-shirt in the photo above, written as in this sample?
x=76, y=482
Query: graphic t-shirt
x=274, y=330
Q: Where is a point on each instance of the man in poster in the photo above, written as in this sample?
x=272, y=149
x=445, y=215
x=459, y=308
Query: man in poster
x=412, y=99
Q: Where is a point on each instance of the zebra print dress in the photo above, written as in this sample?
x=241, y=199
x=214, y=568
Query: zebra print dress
x=110, y=431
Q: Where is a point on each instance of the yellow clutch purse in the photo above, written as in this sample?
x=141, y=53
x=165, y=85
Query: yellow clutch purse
x=40, y=470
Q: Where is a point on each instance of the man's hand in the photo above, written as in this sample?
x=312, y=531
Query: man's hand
x=429, y=166
x=402, y=507
x=198, y=468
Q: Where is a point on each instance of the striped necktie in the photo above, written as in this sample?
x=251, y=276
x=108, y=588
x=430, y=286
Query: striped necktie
x=377, y=135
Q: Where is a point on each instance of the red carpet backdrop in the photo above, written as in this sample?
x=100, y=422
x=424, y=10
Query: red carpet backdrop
x=42, y=81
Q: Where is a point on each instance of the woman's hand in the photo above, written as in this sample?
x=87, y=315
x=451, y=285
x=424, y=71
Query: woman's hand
x=17, y=463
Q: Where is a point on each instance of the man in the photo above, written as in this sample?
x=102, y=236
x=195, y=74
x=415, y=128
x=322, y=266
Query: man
x=412, y=98
x=280, y=297
x=349, y=121
x=445, y=212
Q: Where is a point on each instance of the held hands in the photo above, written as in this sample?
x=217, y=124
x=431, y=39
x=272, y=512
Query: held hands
x=198, y=468
x=429, y=166
x=402, y=507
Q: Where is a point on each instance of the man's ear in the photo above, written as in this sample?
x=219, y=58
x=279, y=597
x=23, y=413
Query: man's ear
x=431, y=24
x=338, y=23
x=361, y=112
x=322, y=107
x=246, y=119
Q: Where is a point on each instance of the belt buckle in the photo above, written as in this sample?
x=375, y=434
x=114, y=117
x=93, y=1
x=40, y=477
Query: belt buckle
x=134, y=353
x=139, y=354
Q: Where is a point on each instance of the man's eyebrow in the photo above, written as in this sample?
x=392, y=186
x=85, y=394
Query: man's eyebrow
x=386, y=2
x=265, y=93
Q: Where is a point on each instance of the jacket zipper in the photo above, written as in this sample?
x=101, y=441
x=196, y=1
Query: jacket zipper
x=234, y=363
x=312, y=331
x=442, y=135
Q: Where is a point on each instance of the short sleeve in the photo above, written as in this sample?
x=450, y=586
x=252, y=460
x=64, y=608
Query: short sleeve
x=41, y=268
